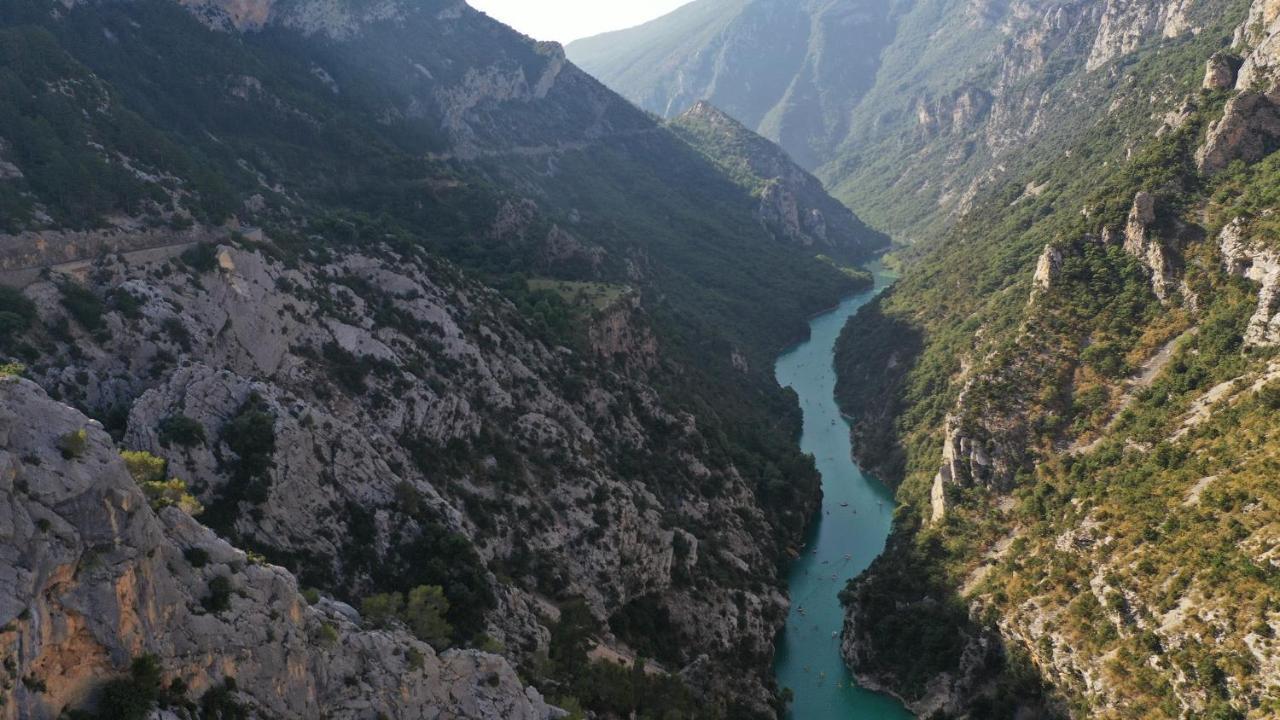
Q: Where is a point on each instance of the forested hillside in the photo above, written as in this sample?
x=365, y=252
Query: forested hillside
x=1073, y=394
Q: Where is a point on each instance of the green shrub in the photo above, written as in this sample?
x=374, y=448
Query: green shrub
x=416, y=659
x=203, y=258
x=74, y=444
x=181, y=431
x=219, y=597
x=327, y=635
x=220, y=703
x=126, y=303
x=1269, y=395
x=423, y=612
x=171, y=493
x=17, y=313
x=82, y=305
x=177, y=332
x=143, y=467
x=149, y=472
x=251, y=435
x=134, y=697
x=34, y=684
x=196, y=557
x=348, y=369
x=380, y=610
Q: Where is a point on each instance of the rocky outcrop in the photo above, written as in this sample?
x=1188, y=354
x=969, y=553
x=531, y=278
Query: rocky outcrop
x=92, y=578
x=978, y=450
x=619, y=333
x=793, y=205
x=1248, y=131
x=780, y=211
x=1258, y=35
x=1047, y=269
x=1261, y=265
x=1249, y=128
x=1220, y=72
x=1142, y=242
x=958, y=113
x=404, y=401
x=520, y=225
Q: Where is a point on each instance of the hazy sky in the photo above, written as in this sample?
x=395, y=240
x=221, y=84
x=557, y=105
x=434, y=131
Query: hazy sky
x=566, y=20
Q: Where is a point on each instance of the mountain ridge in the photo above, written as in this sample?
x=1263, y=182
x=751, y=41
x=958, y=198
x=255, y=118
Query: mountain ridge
x=793, y=203
x=936, y=105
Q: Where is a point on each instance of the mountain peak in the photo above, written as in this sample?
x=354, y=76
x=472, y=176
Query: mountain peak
x=705, y=111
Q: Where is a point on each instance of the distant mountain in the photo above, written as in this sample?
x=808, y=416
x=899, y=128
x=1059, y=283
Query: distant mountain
x=793, y=205
x=908, y=110
x=793, y=71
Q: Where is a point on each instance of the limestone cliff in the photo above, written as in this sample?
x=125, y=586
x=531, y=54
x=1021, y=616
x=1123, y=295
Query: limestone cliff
x=402, y=400
x=93, y=578
x=1250, y=126
x=793, y=205
x=573, y=411
x=1261, y=265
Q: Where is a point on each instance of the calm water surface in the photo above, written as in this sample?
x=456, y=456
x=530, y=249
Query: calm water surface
x=856, y=515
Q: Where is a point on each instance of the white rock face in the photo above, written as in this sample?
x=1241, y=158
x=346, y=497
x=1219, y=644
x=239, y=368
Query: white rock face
x=1262, y=266
x=1047, y=268
x=1127, y=24
x=1141, y=242
x=91, y=578
x=938, y=499
x=1250, y=126
x=1220, y=72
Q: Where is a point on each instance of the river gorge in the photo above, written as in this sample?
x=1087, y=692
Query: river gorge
x=857, y=512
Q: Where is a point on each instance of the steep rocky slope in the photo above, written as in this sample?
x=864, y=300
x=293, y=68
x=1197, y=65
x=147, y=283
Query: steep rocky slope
x=793, y=204
x=95, y=579
x=1079, y=412
x=410, y=302
x=395, y=410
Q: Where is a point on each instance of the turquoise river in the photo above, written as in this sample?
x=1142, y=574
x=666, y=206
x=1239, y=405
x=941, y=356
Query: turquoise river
x=856, y=514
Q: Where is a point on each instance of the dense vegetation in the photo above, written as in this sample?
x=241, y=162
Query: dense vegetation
x=1124, y=531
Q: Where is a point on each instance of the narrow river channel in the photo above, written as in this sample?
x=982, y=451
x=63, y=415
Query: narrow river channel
x=857, y=511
